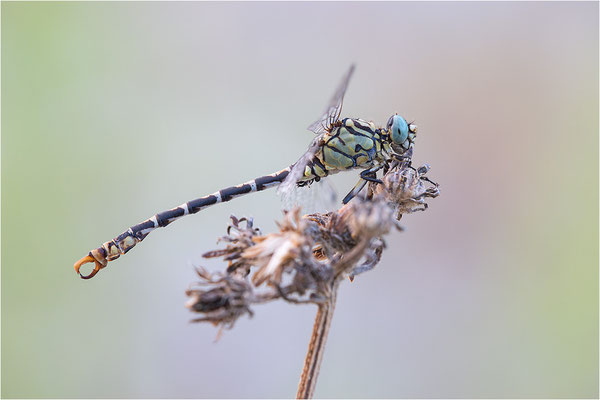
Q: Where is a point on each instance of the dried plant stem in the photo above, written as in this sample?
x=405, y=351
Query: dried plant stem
x=316, y=347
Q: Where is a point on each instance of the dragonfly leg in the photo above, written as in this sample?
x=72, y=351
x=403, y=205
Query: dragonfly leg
x=355, y=190
x=368, y=175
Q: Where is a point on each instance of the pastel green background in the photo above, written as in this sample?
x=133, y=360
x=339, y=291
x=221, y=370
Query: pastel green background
x=114, y=111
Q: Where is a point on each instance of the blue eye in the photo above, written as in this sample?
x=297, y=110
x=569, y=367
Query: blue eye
x=399, y=129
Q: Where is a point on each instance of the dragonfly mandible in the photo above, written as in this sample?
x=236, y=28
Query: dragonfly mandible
x=339, y=145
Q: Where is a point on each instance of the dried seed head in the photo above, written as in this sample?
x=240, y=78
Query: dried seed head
x=307, y=256
x=405, y=189
x=371, y=218
x=274, y=253
x=238, y=239
x=228, y=297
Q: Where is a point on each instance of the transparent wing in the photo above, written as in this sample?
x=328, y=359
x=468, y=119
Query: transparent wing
x=298, y=167
x=320, y=126
x=318, y=197
x=334, y=108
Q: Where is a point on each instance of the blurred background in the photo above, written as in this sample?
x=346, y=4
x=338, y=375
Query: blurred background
x=112, y=112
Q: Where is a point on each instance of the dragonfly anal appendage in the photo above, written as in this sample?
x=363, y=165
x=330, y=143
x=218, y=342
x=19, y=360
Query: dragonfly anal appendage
x=96, y=256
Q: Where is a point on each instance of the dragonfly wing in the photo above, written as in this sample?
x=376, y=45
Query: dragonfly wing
x=320, y=127
x=297, y=171
x=318, y=197
x=334, y=108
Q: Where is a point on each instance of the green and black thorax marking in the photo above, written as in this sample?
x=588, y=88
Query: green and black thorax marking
x=352, y=143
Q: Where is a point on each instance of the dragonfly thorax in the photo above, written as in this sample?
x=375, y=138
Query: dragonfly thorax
x=351, y=143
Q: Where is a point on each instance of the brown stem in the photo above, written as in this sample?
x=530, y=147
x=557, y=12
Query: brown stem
x=316, y=347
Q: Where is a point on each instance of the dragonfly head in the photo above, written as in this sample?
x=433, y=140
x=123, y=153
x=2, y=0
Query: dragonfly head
x=402, y=134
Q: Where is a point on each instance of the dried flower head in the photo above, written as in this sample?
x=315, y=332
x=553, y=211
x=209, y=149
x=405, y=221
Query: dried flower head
x=305, y=259
x=405, y=188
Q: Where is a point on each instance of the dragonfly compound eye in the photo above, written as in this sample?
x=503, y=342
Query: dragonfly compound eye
x=398, y=129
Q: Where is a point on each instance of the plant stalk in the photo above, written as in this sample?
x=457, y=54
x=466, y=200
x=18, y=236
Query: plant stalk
x=316, y=346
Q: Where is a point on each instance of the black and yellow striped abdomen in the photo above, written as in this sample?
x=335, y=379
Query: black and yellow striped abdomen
x=121, y=244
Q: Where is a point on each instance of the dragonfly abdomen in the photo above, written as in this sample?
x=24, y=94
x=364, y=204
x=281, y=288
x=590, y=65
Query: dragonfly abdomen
x=121, y=244
x=164, y=218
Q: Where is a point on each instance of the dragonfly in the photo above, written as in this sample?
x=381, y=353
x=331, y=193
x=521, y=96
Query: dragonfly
x=340, y=144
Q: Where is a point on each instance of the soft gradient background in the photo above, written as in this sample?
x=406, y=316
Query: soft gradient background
x=114, y=111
